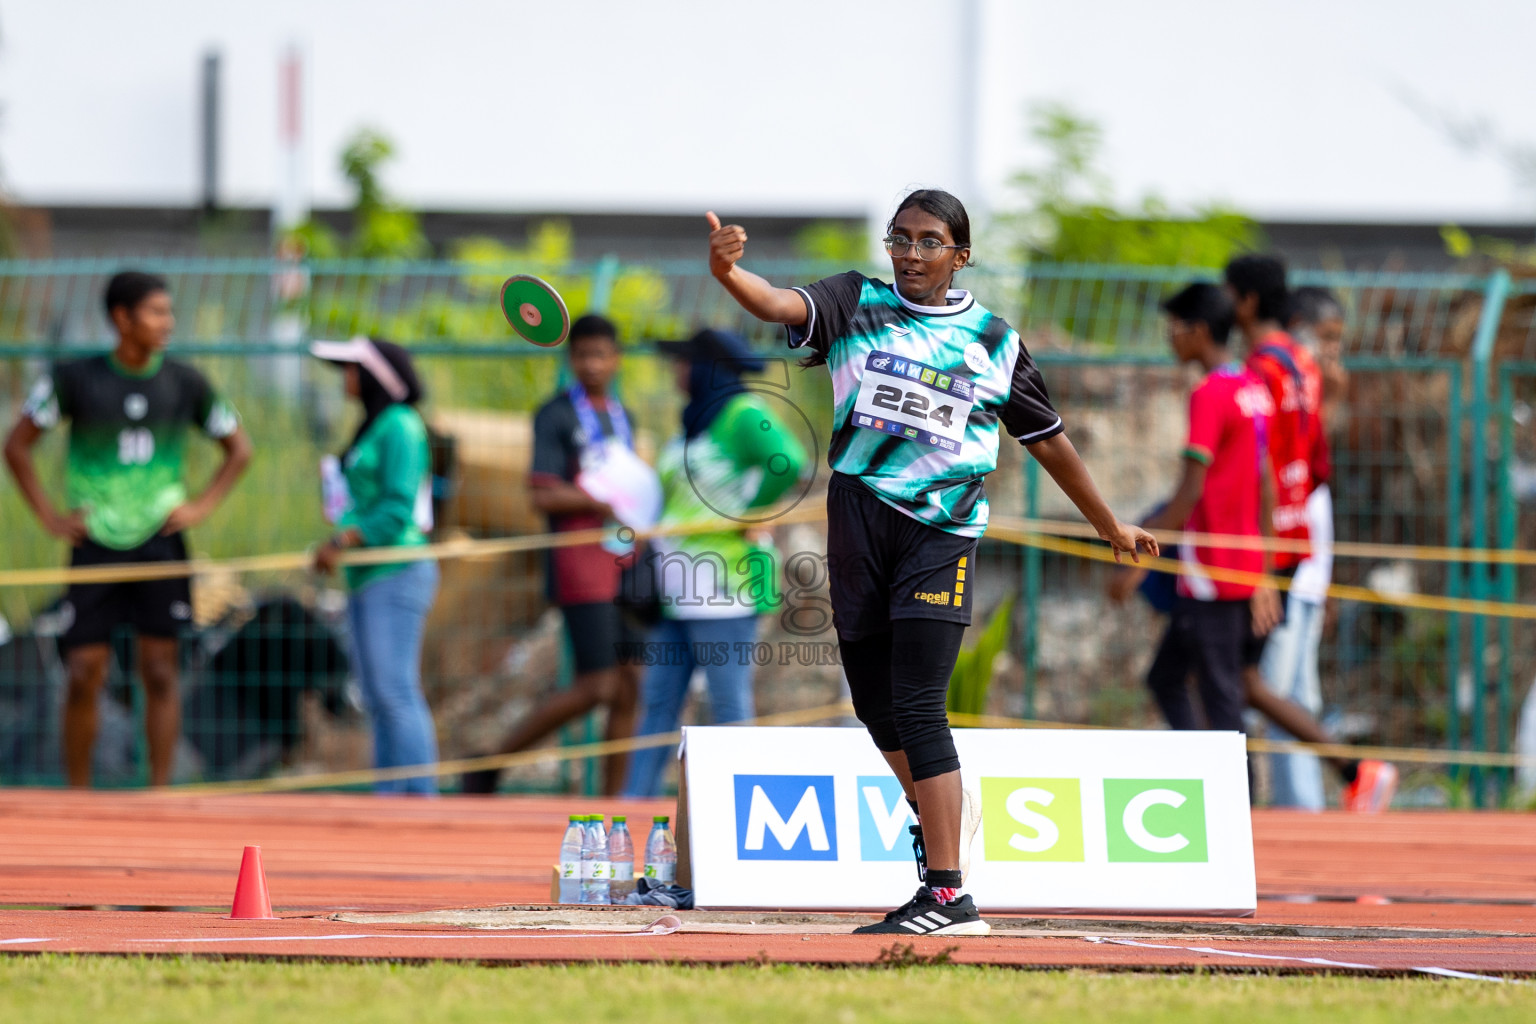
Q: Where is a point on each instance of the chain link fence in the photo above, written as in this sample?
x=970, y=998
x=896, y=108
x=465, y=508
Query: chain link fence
x=1430, y=447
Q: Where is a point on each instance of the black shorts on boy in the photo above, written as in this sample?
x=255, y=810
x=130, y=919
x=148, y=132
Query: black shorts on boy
x=1213, y=640
x=602, y=635
x=158, y=608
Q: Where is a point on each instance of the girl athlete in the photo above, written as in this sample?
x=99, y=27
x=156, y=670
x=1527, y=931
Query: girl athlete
x=921, y=375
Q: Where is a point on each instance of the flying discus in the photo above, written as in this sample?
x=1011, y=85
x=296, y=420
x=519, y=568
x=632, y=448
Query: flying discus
x=535, y=310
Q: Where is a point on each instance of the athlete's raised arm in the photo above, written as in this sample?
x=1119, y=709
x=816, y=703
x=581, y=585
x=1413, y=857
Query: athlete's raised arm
x=756, y=296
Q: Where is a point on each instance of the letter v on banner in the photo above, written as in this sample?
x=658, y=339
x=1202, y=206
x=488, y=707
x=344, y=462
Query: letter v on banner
x=883, y=819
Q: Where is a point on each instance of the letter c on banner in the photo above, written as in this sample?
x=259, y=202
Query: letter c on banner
x=1046, y=831
x=1135, y=825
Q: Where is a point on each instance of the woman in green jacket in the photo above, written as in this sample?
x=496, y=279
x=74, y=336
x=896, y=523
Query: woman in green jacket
x=733, y=459
x=386, y=501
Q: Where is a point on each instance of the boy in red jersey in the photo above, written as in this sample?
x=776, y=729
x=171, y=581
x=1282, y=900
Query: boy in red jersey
x=1300, y=461
x=1225, y=488
x=1256, y=285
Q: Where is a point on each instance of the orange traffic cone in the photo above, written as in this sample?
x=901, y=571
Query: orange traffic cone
x=251, y=900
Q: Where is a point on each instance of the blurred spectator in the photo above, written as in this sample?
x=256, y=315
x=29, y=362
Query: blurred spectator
x=126, y=502
x=1298, y=455
x=384, y=499
x=1223, y=489
x=1316, y=321
x=1301, y=464
x=733, y=456
x=576, y=435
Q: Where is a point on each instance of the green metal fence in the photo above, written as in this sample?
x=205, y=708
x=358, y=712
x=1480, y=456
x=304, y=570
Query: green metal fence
x=1428, y=451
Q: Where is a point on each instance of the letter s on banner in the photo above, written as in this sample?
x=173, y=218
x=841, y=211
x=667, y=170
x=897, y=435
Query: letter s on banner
x=1046, y=832
x=1035, y=819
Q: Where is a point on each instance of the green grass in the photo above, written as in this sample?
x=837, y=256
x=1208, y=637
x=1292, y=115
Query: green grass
x=128, y=991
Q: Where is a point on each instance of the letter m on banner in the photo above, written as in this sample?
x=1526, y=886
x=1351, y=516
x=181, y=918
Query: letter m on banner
x=785, y=817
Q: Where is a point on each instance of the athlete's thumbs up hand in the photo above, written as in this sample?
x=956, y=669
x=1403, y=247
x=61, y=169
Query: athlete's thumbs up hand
x=726, y=245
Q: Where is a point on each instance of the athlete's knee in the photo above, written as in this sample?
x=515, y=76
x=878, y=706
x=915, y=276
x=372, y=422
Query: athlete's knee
x=159, y=682
x=882, y=728
x=158, y=667
x=867, y=664
x=930, y=752
x=87, y=673
x=873, y=708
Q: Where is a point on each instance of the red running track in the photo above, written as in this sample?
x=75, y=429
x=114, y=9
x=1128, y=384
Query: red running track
x=327, y=853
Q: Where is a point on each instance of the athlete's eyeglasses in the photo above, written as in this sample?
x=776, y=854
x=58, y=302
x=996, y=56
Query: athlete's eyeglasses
x=928, y=249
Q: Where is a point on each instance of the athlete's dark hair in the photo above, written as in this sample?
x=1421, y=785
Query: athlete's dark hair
x=1260, y=275
x=1204, y=303
x=941, y=205
x=1312, y=305
x=592, y=325
x=130, y=287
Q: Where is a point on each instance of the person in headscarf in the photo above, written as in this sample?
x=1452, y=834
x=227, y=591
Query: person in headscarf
x=733, y=459
x=382, y=498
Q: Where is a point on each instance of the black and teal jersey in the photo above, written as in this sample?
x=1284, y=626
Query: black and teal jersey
x=127, y=439
x=918, y=395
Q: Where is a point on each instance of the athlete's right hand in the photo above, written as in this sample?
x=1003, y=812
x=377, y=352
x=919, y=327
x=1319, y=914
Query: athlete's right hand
x=70, y=527
x=726, y=245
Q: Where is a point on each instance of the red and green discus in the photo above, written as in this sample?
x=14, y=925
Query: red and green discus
x=535, y=310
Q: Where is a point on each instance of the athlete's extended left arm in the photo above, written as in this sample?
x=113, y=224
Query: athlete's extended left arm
x=237, y=456
x=1058, y=458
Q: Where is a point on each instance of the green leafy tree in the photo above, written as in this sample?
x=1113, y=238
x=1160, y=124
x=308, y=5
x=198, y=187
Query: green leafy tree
x=829, y=241
x=1068, y=214
x=381, y=228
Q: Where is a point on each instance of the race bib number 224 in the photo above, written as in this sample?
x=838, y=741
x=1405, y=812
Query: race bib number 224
x=912, y=400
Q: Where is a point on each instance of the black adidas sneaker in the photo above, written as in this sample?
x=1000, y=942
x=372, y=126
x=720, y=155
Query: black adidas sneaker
x=924, y=915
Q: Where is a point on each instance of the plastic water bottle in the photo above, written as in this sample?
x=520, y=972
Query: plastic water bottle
x=661, y=853
x=570, y=860
x=596, y=871
x=621, y=857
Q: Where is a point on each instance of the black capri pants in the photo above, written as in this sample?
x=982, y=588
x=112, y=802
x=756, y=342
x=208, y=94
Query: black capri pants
x=901, y=599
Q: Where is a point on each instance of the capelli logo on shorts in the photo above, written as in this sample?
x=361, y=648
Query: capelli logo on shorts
x=932, y=598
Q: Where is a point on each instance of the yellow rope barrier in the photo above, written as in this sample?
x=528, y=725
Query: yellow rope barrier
x=130, y=572
x=1238, y=542
x=1259, y=745
x=1044, y=534
x=576, y=752
x=805, y=716
x=1365, y=595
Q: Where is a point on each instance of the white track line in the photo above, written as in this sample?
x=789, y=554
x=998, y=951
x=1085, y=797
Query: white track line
x=21, y=942
x=1317, y=961
x=402, y=935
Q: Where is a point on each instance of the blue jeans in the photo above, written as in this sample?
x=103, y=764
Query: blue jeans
x=1289, y=668
x=676, y=647
x=387, y=617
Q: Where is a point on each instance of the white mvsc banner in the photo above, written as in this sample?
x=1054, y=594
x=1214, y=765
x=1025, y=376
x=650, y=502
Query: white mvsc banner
x=1071, y=820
